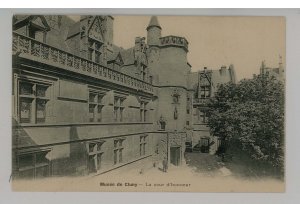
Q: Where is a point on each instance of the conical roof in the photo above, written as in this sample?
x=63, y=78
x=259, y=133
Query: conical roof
x=153, y=23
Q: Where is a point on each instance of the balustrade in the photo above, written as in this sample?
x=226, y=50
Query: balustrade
x=32, y=49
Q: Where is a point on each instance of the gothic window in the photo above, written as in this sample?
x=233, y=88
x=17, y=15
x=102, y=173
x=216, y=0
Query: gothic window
x=94, y=155
x=143, y=73
x=33, y=99
x=150, y=79
x=205, y=91
x=202, y=116
x=118, y=109
x=143, y=145
x=176, y=96
x=35, y=33
x=143, y=111
x=94, y=50
x=187, y=111
x=95, y=106
x=33, y=165
x=118, y=150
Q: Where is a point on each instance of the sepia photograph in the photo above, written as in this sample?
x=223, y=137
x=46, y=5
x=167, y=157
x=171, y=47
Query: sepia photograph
x=148, y=103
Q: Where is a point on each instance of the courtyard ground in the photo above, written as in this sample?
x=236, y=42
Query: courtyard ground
x=200, y=172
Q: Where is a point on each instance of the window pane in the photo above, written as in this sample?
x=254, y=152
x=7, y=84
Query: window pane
x=91, y=147
x=120, y=143
x=144, y=148
x=115, y=156
x=97, y=57
x=141, y=146
x=116, y=114
x=121, y=114
x=99, y=113
x=99, y=144
x=91, y=112
x=97, y=46
x=41, y=90
x=120, y=155
x=99, y=161
x=42, y=172
x=92, y=97
x=141, y=115
x=26, y=88
x=116, y=102
x=115, y=143
x=26, y=160
x=121, y=102
x=41, y=110
x=145, y=116
x=90, y=54
x=100, y=98
x=27, y=174
x=39, y=35
x=41, y=158
x=207, y=93
x=25, y=110
x=92, y=164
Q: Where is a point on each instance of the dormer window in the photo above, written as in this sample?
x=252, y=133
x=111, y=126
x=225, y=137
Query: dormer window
x=36, y=26
x=36, y=33
x=94, y=50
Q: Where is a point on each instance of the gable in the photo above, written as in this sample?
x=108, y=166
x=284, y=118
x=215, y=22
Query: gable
x=37, y=20
x=96, y=30
x=205, y=79
x=119, y=59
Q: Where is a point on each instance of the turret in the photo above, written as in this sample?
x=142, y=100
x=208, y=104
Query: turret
x=153, y=32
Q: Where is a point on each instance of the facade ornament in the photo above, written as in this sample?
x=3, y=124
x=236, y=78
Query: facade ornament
x=175, y=113
x=176, y=95
x=162, y=121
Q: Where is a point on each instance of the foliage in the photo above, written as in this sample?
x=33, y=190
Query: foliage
x=251, y=114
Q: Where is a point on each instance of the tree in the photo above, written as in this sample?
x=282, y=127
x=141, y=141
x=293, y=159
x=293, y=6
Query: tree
x=250, y=116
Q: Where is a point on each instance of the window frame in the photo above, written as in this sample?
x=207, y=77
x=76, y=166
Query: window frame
x=33, y=99
x=96, y=106
x=94, y=50
x=35, y=166
x=97, y=154
x=118, y=108
x=143, y=145
x=143, y=111
x=118, y=147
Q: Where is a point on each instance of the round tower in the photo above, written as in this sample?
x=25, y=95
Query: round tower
x=153, y=32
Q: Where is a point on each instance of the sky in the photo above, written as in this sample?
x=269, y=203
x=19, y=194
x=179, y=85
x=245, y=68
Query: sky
x=215, y=41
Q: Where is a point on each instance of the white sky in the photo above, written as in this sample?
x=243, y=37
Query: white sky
x=215, y=41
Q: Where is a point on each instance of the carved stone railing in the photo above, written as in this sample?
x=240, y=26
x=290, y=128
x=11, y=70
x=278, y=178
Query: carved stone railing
x=174, y=41
x=200, y=101
x=32, y=49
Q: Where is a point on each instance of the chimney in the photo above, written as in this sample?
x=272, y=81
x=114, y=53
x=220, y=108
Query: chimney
x=223, y=70
x=137, y=43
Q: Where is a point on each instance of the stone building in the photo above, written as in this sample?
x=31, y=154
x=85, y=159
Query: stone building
x=205, y=84
x=277, y=72
x=84, y=106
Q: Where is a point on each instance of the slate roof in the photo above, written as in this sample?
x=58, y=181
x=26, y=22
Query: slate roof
x=153, y=22
x=128, y=56
x=74, y=30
